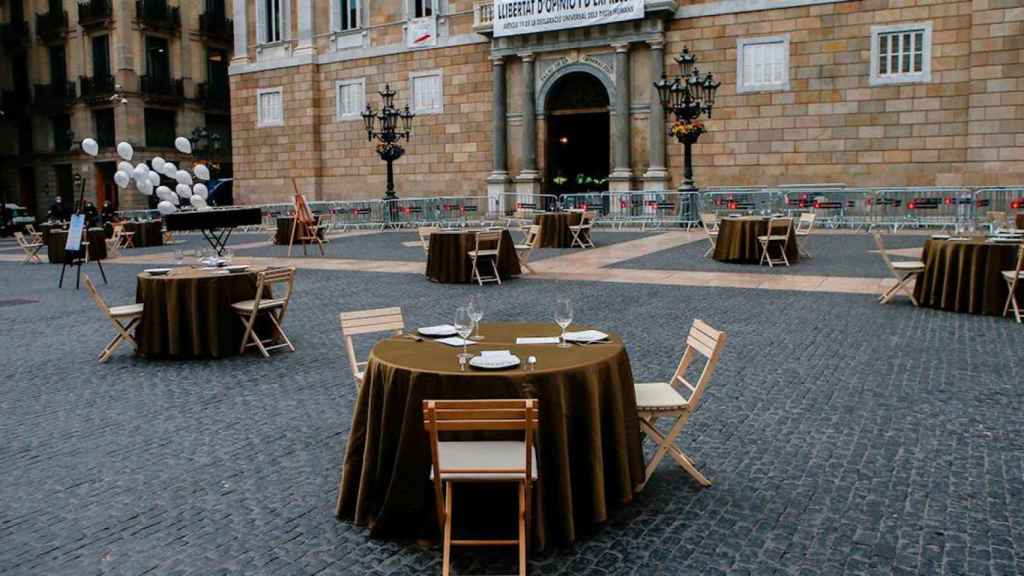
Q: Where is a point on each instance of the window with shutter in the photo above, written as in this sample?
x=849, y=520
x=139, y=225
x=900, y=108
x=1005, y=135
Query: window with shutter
x=901, y=53
x=351, y=99
x=762, y=64
x=427, y=92
x=269, y=107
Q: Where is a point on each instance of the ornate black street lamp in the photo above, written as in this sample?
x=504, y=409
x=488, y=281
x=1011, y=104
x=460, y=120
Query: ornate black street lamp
x=203, y=142
x=389, y=134
x=687, y=97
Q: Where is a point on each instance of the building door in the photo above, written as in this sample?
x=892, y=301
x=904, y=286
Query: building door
x=100, y=57
x=578, y=141
x=158, y=59
x=105, y=188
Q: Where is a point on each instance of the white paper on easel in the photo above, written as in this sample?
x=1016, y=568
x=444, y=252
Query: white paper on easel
x=74, y=241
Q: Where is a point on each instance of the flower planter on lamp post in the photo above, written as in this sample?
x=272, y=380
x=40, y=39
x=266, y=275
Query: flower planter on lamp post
x=686, y=97
x=388, y=135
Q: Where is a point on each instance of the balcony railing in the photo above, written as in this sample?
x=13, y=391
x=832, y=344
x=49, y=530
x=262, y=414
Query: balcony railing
x=52, y=26
x=94, y=13
x=217, y=27
x=55, y=96
x=157, y=15
x=157, y=88
x=97, y=89
x=213, y=95
x=14, y=35
x=483, y=17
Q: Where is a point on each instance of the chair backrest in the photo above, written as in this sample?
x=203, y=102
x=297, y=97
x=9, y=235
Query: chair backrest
x=267, y=279
x=31, y=229
x=479, y=415
x=780, y=227
x=1018, y=269
x=806, y=222
x=588, y=218
x=999, y=219
x=710, y=221
x=424, y=233
x=880, y=245
x=705, y=341
x=533, y=235
x=21, y=239
x=367, y=322
x=489, y=240
x=91, y=287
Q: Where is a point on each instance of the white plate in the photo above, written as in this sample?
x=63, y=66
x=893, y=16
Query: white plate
x=157, y=271
x=237, y=268
x=940, y=236
x=585, y=336
x=494, y=362
x=440, y=330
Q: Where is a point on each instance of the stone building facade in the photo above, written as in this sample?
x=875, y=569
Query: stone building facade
x=115, y=70
x=864, y=92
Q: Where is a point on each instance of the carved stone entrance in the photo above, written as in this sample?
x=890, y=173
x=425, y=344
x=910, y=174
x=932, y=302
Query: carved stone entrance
x=577, y=142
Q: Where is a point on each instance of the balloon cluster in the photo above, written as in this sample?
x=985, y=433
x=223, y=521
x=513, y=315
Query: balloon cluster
x=147, y=179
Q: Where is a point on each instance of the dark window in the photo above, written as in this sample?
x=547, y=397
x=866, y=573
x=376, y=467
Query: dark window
x=58, y=67
x=105, y=133
x=160, y=127
x=215, y=9
x=61, y=128
x=55, y=6
x=158, y=58
x=219, y=124
x=100, y=56
x=217, y=69
x=65, y=183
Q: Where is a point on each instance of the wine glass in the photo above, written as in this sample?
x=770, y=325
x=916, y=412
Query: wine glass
x=563, y=317
x=179, y=257
x=476, y=313
x=228, y=256
x=464, y=326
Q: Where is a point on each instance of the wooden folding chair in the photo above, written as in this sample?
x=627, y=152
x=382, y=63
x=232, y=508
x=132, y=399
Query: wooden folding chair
x=658, y=399
x=1012, y=277
x=909, y=269
x=778, y=235
x=481, y=461
x=581, y=232
x=424, y=233
x=130, y=313
x=803, y=232
x=367, y=322
x=30, y=247
x=271, y=308
x=710, y=222
x=488, y=247
x=115, y=243
x=33, y=234
x=526, y=248
x=997, y=220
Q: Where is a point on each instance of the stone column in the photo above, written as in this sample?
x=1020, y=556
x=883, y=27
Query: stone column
x=497, y=182
x=656, y=177
x=621, y=177
x=241, y=51
x=528, y=181
x=305, y=26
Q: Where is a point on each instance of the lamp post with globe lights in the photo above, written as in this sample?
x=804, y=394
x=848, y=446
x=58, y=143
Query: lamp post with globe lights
x=686, y=97
x=389, y=133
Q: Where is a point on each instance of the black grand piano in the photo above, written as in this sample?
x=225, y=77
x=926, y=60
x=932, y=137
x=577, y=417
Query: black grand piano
x=216, y=224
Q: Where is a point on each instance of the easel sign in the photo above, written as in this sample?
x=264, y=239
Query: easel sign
x=304, y=224
x=75, y=231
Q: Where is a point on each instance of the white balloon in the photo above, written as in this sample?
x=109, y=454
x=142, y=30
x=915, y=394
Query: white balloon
x=169, y=169
x=158, y=163
x=144, y=188
x=125, y=150
x=183, y=145
x=166, y=208
x=122, y=179
x=175, y=200
x=162, y=191
x=202, y=191
x=183, y=177
x=197, y=201
x=141, y=171
x=201, y=172
x=90, y=147
x=183, y=191
x=153, y=178
x=125, y=166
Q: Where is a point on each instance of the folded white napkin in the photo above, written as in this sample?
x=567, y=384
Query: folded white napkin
x=537, y=340
x=586, y=335
x=455, y=341
x=495, y=353
x=438, y=328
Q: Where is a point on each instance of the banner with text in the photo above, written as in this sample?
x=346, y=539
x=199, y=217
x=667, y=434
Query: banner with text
x=513, y=17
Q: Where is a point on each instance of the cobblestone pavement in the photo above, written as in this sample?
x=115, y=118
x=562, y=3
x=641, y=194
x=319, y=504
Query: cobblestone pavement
x=846, y=255
x=842, y=437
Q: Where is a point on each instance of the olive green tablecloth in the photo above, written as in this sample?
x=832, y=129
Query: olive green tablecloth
x=589, y=453
x=150, y=233
x=56, y=239
x=554, y=228
x=737, y=241
x=965, y=275
x=448, y=257
x=188, y=312
x=284, y=232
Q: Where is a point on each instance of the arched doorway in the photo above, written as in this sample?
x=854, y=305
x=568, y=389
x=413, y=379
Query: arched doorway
x=578, y=142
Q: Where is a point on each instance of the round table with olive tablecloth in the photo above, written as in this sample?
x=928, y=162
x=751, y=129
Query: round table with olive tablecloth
x=554, y=228
x=448, y=257
x=57, y=239
x=966, y=275
x=588, y=443
x=148, y=233
x=737, y=240
x=188, y=314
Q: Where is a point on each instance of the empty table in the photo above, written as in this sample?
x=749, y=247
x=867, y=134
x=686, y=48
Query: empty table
x=554, y=228
x=966, y=275
x=448, y=257
x=737, y=240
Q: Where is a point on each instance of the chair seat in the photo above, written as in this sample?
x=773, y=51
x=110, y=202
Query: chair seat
x=655, y=396
x=577, y=227
x=908, y=265
x=246, y=305
x=478, y=253
x=1009, y=274
x=803, y=232
x=360, y=375
x=126, y=310
x=523, y=246
x=478, y=455
x=33, y=245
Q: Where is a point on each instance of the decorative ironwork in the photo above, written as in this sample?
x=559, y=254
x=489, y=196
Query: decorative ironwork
x=204, y=142
x=158, y=88
x=55, y=96
x=52, y=26
x=686, y=97
x=217, y=27
x=97, y=89
x=94, y=13
x=157, y=15
x=389, y=134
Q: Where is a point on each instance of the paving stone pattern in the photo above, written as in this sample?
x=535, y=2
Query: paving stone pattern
x=842, y=437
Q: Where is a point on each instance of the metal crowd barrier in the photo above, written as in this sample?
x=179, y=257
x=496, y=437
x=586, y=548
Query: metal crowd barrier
x=524, y=206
